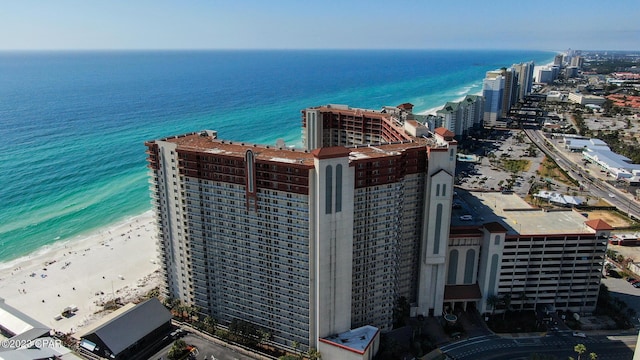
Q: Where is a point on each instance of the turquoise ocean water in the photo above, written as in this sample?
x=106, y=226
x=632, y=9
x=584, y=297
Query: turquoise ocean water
x=73, y=124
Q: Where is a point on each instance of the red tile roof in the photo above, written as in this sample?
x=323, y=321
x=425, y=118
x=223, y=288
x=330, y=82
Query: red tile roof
x=598, y=224
x=445, y=133
x=206, y=144
x=331, y=152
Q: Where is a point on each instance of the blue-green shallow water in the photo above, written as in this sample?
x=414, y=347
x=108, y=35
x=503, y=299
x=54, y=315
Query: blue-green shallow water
x=72, y=124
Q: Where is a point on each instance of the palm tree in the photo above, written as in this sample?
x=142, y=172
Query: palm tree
x=523, y=298
x=580, y=349
x=209, y=324
x=195, y=312
x=191, y=312
x=263, y=336
x=295, y=345
x=182, y=310
x=506, y=300
x=314, y=354
x=177, y=350
x=493, y=300
x=171, y=303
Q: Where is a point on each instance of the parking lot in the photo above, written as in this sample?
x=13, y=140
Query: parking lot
x=624, y=291
x=205, y=350
x=486, y=174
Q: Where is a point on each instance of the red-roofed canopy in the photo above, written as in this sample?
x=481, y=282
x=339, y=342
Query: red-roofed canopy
x=598, y=224
x=406, y=106
x=445, y=133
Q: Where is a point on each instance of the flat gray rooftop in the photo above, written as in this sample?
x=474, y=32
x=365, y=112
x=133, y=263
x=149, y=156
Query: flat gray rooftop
x=355, y=339
x=515, y=214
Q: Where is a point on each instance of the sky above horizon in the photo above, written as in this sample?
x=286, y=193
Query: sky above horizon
x=290, y=24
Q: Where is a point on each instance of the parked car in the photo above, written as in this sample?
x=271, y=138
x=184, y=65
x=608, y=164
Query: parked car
x=637, y=285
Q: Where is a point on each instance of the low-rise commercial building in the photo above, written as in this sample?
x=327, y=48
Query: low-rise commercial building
x=128, y=333
x=550, y=259
x=357, y=344
x=584, y=99
x=23, y=338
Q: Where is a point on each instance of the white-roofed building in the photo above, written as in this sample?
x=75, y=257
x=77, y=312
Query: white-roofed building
x=15, y=324
x=357, y=344
x=41, y=348
x=559, y=199
x=584, y=99
x=32, y=335
x=616, y=165
x=556, y=96
x=598, y=152
x=573, y=144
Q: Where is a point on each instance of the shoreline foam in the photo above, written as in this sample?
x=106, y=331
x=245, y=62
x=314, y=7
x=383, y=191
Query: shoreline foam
x=84, y=272
x=433, y=110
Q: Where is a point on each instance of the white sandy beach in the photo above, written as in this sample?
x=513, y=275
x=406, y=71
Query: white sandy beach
x=120, y=261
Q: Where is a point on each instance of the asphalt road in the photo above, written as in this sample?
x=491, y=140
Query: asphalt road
x=559, y=344
x=595, y=186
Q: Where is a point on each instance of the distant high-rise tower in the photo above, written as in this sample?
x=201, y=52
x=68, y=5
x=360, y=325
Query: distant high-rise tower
x=493, y=92
x=510, y=95
x=525, y=78
x=507, y=85
x=557, y=60
x=577, y=61
x=545, y=75
x=461, y=116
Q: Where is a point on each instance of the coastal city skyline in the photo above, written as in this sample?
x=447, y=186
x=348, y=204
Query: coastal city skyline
x=315, y=178
x=542, y=25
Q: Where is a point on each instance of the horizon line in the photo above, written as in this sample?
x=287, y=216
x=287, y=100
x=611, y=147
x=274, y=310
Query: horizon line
x=279, y=49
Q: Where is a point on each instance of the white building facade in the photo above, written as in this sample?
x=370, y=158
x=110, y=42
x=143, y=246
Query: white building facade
x=459, y=117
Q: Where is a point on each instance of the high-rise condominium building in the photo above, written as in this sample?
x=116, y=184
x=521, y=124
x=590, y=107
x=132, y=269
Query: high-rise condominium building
x=510, y=94
x=461, y=116
x=558, y=60
x=493, y=92
x=577, y=61
x=307, y=243
x=316, y=245
x=524, y=73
